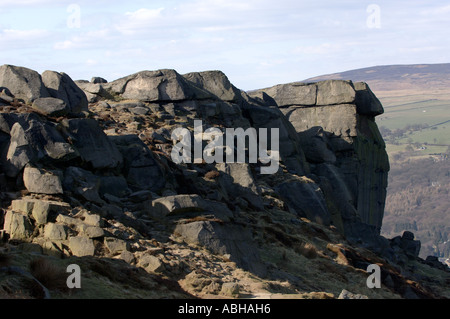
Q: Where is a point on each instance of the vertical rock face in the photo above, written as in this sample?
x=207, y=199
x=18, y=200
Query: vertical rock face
x=337, y=131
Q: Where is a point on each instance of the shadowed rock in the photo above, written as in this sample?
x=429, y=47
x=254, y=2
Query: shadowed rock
x=61, y=86
x=23, y=83
x=92, y=143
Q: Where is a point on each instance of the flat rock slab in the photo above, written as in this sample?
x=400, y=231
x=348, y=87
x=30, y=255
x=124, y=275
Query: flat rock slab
x=165, y=206
x=50, y=106
x=81, y=246
x=42, y=181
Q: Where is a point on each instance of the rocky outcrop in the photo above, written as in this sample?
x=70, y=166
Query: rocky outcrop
x=335, y=124
x=100, y=181
x=61, y=86
x=22, y=83
x=326, y=131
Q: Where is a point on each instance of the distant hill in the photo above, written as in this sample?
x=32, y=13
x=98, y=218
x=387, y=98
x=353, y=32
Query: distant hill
x=421, y=77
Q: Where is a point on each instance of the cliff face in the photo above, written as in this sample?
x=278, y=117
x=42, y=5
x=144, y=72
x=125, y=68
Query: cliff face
x=335, y=124
x=86, y=170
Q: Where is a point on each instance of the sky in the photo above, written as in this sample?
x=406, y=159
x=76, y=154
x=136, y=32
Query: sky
x=256, y=43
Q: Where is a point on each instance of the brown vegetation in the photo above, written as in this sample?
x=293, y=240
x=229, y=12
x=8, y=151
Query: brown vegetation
x=48, y=274
x=417, y=201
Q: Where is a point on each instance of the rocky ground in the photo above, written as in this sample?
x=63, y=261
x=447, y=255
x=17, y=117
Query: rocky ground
x=87, y=178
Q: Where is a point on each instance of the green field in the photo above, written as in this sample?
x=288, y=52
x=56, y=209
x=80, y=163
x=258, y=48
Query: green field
x=423, y=120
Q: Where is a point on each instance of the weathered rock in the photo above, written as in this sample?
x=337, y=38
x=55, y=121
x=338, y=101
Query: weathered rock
x=238, y=181
x=44, y=210
x=55, y=231
x=92, y=143
x=6, y=97
x=291, y=154
x=306, y=199
x=176, y=204
x=151, y=86
x=409, y=245
x=81, y=246
x=335, y=92
x=215, y=82
x=93, y=231
x=224, y=239
x=433, y=261
x=127, y=256
x=114, y=185
x=40, y=210
x=82, y=183
x=366, y=102
x=93, y=91
x=227, y=113
x=341, y=201
x=141, y=169
x=67, y=220
x=35, y=141
x=230, y=289
x=97, y=79
x=61, y=86
x=92, y=219
x=296, y=93
x=140, y=110
x=345, y=294
x=7, y=120
x=340, y=120
x=151, y=263
x=350, y=139
x=18, y=226
x=51, y=248
x=115, y=245
x=316, y=146
x=23, y=83
x=259, y=97
x=50, y=106
x=42, y=181
x=24, y=205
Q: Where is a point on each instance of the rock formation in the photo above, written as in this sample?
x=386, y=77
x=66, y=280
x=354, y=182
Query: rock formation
x=86, y=170
x=335, y=124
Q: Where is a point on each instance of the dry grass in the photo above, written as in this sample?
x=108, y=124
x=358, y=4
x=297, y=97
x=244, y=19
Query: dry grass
x=307, y=250
x=212, y=175
x=50, y=275
x=203, y=219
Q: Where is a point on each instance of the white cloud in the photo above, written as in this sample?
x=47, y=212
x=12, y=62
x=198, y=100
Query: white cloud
x=86, y=40
x=320, y=49
x=139, y=21
x=91, y=62
x=442, y=10
x=22, y=39
x=10, y=3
